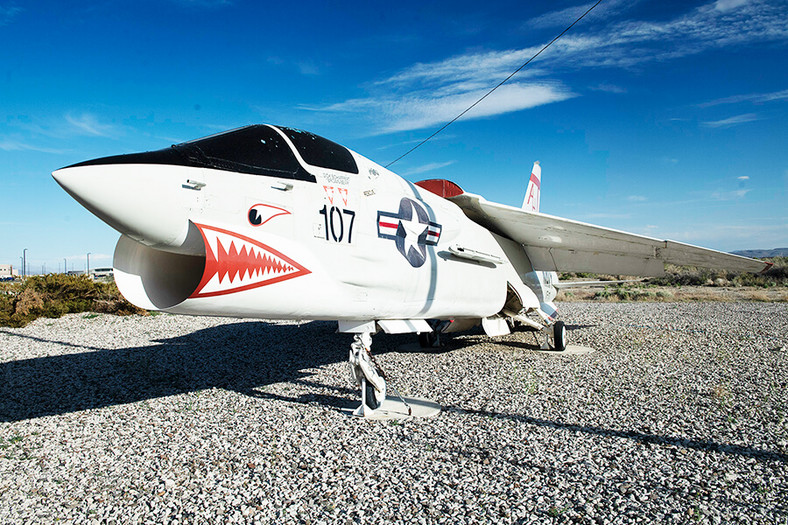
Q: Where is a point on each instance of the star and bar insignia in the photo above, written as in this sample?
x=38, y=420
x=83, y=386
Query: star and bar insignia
x=411, y=230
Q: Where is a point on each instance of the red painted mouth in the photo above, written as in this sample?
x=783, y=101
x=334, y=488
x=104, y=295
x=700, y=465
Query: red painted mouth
x=234, y=263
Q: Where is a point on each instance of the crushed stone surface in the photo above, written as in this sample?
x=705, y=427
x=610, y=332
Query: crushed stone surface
x=680, y=415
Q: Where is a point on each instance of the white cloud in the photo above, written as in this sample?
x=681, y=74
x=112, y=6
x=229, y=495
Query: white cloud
x=729, y=195
x=8, y=13
x=636, y=198
x=732, y=121
x=756, y=98
x=308, y=68
x=727, y=5
x=608, y=88
x=743, y=177
x=426, y=94
x=432, y=166
x=564, y=17
x=421, y=112
x=629, y=43
x=13, y=145
x=423, y=109
x=88, y=124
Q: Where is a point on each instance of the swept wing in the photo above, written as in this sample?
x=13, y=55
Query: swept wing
x=563, y=245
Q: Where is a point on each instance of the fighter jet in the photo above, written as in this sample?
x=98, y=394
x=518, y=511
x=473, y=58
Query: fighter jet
x=276, y=223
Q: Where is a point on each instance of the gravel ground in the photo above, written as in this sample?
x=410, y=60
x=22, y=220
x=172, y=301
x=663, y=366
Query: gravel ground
x=680, y=415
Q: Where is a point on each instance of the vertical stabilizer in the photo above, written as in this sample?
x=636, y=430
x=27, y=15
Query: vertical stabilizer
x=531, y=201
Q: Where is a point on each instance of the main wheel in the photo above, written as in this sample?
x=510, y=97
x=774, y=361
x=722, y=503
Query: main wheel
x=372, y=399
x=559, y=336
x=427, y=339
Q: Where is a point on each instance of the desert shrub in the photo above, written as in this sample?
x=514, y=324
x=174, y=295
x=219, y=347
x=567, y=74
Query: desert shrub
x=777, y=275
x=55, y=295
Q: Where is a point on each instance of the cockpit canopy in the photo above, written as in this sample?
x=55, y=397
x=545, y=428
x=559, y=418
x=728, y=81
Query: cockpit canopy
x=257, y=150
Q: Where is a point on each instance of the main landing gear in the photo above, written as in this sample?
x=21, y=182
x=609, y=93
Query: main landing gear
x=367, y=374
x=374, y=402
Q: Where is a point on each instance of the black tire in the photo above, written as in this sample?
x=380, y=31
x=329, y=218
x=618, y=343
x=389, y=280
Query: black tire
x=372, y=401
x=559, y=336
x=427, y=339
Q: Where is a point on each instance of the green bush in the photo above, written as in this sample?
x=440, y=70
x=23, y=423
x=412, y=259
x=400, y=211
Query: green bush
x=55, y=295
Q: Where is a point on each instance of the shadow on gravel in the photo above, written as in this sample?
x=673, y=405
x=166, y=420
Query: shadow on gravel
x=349, y=400
x=640, y=437
x=239, y=357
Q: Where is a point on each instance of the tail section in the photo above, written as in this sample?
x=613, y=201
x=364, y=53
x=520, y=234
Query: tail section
x=531, y=201
x=542, y=283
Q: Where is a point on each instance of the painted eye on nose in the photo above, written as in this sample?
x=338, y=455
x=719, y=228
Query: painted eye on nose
x=259, y=214
x=254, y=217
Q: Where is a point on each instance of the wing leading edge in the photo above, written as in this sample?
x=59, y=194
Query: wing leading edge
x=563, y=245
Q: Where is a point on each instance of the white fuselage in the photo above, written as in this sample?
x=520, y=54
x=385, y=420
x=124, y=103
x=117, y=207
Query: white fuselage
x=348, y=246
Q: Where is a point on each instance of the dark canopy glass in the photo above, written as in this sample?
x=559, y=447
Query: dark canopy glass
x=257, y=150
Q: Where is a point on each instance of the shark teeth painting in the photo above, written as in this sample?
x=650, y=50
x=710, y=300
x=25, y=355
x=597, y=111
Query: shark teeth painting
x=234, y=263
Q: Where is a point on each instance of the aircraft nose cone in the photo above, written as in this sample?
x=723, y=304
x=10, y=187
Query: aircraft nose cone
x=140, y=201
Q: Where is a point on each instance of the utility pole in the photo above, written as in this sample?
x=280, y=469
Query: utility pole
x=24, y=262
x=87, y=270
x=65, y=266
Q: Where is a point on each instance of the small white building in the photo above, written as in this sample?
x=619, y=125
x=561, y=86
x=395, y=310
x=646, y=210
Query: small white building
x=99, y=273
x=7, y=270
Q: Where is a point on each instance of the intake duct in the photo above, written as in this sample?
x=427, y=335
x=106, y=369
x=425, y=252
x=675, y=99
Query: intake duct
x=155, y=279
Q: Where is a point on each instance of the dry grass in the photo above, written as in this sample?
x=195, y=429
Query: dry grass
x=684, y=283
x=627, y=293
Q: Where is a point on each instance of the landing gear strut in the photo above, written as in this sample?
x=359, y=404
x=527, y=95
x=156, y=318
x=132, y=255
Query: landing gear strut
x=367, y=374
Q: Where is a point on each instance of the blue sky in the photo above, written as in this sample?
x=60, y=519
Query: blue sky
x=668, y=119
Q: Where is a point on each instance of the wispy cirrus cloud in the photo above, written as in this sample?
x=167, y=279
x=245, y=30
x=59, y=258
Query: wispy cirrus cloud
x=420, y=110
x=89, y=124
x=8, y=13
x=729, y=195
x=428, y=94
x=634, y=42
x=732, y=121
x=564, y=17
x=432, y=166
x=15, y=145
x=608, y=88
x=755, y=98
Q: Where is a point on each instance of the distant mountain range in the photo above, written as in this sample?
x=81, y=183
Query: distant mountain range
x=776, y=252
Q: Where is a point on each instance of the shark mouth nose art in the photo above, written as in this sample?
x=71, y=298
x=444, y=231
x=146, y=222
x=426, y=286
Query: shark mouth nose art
x=234, y=263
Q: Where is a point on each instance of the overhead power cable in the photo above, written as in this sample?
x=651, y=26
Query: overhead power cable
x=501, y=83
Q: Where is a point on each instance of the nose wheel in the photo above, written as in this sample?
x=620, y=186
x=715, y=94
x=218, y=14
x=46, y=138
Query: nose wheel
x=559, y=336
